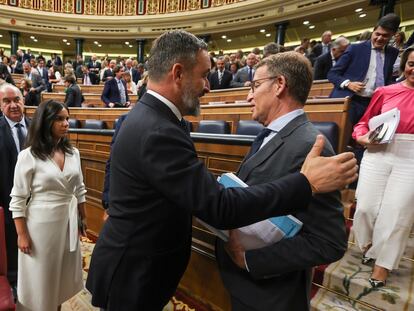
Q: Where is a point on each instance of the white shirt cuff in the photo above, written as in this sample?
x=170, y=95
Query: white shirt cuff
x=345, y=84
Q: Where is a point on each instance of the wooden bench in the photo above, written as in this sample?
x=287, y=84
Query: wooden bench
x=91, y=100
x=17, y=78
x=321, y=110
x=86, y=89
x=320, y=88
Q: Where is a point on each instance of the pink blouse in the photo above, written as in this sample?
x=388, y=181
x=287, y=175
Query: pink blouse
x=386, y=98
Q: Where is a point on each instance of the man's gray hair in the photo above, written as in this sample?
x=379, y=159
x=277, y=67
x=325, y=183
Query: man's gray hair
x=173, y=47
x=272, y=48
x=340, y=41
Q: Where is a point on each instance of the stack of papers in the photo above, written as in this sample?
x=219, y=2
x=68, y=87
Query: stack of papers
x=262, y=233
x=383, y=126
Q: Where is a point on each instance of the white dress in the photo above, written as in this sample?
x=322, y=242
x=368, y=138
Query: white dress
x=53, y=272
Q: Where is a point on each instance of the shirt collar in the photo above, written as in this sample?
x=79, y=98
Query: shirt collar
x=278, y=124
x=13, y=124
x=167, y=102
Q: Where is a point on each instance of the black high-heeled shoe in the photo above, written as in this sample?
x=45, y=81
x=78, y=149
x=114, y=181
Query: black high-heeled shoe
x=366, y=260
x=376, y=283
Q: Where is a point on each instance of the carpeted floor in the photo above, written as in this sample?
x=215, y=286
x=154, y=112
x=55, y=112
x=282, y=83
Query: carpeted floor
x=82, y=301
x=348, y=281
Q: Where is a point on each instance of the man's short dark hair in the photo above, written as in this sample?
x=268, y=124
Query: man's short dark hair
x=116, y=69
x=69, y=78
x=390, y=22
x=173, y=47
x=272, y=48
x=296, y=69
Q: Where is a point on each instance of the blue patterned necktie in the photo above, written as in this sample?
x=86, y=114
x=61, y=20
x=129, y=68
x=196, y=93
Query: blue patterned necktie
x=250, y=74
x=379, y=70
x=122, y=92
x=20, y=136
x=258, y=142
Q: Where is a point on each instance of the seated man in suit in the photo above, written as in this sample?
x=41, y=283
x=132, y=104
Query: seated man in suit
x=325, y=62
x=278, y=276
x=73, y=96
x=366, y=66
x=157, y=184
x=115, y=92
x=221, y=78
x=245, y=75
x=89, y=78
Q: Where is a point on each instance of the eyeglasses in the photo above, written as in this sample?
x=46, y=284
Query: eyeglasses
x=254, y=85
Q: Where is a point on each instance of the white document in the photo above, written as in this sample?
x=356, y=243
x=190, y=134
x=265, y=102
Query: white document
x=259, y=234
x=390, y=119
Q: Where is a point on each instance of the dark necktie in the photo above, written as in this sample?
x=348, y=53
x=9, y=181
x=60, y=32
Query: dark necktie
x=258, y=142
x=379, y=70
x=20, y=136
x=250, y=74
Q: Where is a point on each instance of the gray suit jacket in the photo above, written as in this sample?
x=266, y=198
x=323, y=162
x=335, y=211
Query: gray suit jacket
x=280, y=274
x=73, y=96
x=241, y=77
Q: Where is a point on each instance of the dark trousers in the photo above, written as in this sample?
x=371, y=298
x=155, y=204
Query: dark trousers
x=357, y=109
x=147, y=283
x=12, y=252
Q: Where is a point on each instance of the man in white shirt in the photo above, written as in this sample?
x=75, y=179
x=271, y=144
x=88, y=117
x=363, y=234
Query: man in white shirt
x=13, y=132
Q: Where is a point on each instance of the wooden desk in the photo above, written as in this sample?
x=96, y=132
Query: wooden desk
x=91, y=100
x=17, y=78
x=320, y=88
x=325, y=109
x=86, y=89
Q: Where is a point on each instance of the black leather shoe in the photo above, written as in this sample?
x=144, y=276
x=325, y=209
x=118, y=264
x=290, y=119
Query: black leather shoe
x=366, y=260
x=376, y=283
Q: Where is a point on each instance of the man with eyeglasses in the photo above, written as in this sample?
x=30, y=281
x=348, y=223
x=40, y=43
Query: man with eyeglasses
x=278, y=276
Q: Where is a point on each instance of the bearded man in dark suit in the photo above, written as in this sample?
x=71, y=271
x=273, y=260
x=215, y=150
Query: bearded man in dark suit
x=158, y=183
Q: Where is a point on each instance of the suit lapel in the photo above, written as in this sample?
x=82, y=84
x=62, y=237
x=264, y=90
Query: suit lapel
x=270, y=148
x=8, y=137
x=160, y=107
x=386, y=64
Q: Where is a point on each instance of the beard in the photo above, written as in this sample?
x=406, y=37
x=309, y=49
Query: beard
x=191, y=102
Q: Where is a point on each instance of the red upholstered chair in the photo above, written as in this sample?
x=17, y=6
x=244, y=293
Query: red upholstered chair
x=6, y=297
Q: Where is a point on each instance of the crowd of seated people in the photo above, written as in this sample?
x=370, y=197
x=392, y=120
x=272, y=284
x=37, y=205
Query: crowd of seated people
x=228, y=70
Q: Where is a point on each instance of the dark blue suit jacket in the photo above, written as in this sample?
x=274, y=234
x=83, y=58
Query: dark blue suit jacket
x=353, y=65
x=105, y=192
x=110, y=93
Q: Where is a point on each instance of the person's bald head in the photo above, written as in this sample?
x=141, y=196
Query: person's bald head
x=11, y=102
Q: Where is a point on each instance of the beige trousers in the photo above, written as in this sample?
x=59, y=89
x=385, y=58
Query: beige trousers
x=385, y=200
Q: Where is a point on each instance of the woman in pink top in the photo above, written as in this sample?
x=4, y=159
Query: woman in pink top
x=385, y=192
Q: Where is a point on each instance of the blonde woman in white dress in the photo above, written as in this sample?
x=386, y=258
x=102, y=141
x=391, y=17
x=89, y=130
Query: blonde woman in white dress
x=47, y=199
